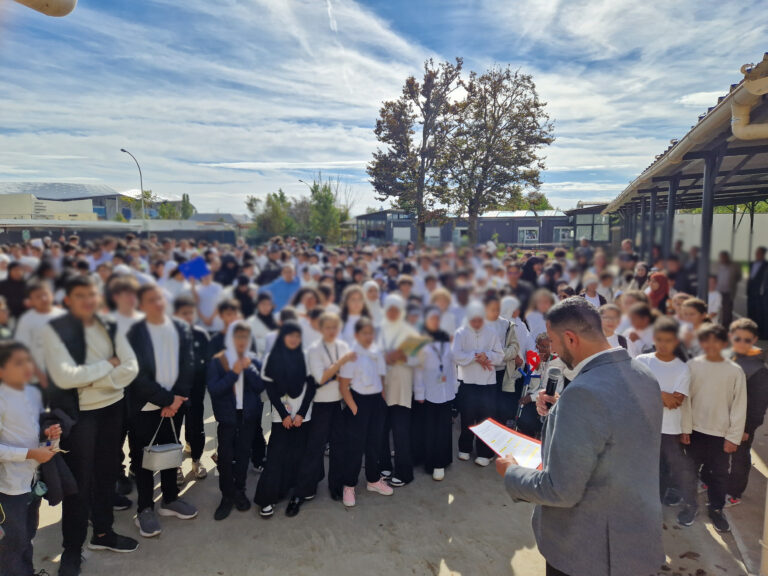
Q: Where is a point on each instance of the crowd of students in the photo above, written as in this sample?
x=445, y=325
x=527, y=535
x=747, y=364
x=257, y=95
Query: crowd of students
x=114, y=343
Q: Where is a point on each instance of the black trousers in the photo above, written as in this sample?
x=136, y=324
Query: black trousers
x=258, y=444
x=741, y=464
x=94, y=459
x=708, y=455
x=477, y=404
x=398, y=422
x=281, y=470
x=20, y=526
x=677, y=470
x=418, y=438
x=362, y=433
x=500, y=413
x=529, y=422
x=145, y=424
x=194, y=428
x=438, y=435
x=235, y=442
x=325, y=427
x=554, y=571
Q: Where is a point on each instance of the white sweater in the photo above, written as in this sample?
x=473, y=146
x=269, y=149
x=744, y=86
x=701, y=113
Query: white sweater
x=19, y=432
x=468, y=342
x=98, y=383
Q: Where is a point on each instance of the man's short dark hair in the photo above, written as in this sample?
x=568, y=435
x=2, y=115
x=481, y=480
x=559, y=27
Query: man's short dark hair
x=79, y=282
x=8, y=348
x=712, y=330
x=666, y=325
x=145, y=289
x=35, y=285
x=229, y=304
x=578, y=315
x=182, y=302
x=744, y=324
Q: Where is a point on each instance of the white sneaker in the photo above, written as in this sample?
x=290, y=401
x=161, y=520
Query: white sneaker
x=480, y=461
x=464, y=456
x=381, y=487
x=386, y=473
x=438, y=474
x=349, y=496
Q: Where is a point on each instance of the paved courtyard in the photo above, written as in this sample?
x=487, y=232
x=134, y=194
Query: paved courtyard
x=465, y=525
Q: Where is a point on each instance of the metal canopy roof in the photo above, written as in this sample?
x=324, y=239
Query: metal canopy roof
x=742, y=175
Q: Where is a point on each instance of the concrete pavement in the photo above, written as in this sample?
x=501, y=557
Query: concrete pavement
x=465, y=525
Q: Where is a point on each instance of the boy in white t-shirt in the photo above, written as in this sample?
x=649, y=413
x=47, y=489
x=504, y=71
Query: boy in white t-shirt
x=678, y=477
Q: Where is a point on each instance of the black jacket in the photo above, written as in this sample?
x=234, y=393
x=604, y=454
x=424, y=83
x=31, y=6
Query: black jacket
x=145, y=388
x=756, y=372
x=221, y=388
x=71, y=332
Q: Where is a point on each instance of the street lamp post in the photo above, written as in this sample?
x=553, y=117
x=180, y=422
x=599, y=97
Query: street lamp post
x=141, y=188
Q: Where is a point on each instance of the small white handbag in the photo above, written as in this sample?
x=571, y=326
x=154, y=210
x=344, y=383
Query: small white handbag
x=159, y=457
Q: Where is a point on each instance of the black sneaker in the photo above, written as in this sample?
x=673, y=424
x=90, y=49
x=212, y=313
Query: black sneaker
x=120, y=503
x=336, y=495
x=395, y=482
x=719, y=520
x=224, y=509
x=687, y=515
x=70, y=563
x=672, y=498
x=124, y=485
x=294, y=506
x=241, y=502
x=113, y=542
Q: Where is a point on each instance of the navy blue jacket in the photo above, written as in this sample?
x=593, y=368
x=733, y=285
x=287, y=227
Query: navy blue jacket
x=221, y=387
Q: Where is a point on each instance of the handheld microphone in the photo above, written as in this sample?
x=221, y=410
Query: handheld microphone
x=552, y=380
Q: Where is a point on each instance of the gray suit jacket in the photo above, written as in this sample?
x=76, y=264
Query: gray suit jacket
x=597, y=498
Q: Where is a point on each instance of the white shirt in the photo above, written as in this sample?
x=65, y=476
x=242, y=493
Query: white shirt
x=19, y=431
x=308, y=334
x=320, y=356
x=580, y=366
x=595, y=301
x=643, y=344
x=466, y=343
x=348, y=332
x=714, y=304
x=500, y=326
x=435, y=380
x=366, y=371
x=124, y=322
x=674, y=376
x=29, y=331
x=536, y=323
x=165, y=345
x=209, y=296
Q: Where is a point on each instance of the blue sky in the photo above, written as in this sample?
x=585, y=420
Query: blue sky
x=225, y=98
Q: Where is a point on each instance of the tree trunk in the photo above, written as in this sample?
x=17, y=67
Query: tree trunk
x=473, y=224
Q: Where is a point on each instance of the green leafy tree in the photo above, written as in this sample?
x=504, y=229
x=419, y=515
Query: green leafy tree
x=413, y=131
x=325, y=216
x=493, y=155
x=187, y=209
x=275, y=217
x=168, y=211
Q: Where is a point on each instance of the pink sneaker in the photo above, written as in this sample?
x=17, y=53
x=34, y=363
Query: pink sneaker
x=349, y=496
x=381, y=487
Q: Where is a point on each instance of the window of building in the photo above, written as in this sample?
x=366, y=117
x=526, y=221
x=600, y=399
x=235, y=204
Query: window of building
x=527, y=235
x=562, y=235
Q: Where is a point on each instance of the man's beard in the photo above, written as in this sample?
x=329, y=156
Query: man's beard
x=566, y=357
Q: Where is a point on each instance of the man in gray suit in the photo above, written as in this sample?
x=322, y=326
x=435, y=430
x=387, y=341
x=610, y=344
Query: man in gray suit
x=598, y=511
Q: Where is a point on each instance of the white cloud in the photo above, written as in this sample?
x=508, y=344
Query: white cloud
x=229, y=98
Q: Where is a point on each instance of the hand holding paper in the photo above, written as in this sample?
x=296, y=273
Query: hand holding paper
x=505, y=442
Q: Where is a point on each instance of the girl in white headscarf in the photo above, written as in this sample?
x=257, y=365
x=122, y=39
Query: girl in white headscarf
x=398, y=391
x=373, y=300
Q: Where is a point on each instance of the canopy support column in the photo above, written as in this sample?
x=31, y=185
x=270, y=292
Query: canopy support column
x=712, y=162
x=651, y=226
x=670, y=216
x=641, y=246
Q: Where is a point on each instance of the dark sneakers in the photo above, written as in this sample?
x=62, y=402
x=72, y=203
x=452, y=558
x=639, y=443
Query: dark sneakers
x=120, y=502
x=719, y=520
x=687, y=515
x=241, y=502
x=113, y=542
x=294, y=506
x=70, y=563
x=224, y=509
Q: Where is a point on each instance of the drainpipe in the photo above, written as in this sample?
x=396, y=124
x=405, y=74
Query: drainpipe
x=56, y=8
x=742, y=105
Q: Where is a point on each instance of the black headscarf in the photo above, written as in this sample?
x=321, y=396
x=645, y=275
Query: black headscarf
x=286, y=367
x=267, y=319
x=529, y=274
x=438, y=335
x=247, y=305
